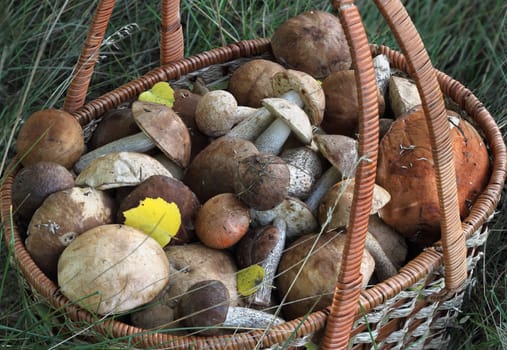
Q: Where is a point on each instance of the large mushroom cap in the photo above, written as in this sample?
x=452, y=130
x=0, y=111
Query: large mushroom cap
x=50, y=135
x=112, y=269
x=313, y=42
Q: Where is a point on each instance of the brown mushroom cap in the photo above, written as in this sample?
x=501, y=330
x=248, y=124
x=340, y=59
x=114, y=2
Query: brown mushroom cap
x=171, y=190
x=112, y=269
x=312, y=42
x=212, y=171
x=340, y=151
x=251, y=82
x=34, y=183
x=262, y=181
x=62, y=217
x=406, y=171
x=165, y=128
x=314, y=285
x=50, y=135
x=114, y=125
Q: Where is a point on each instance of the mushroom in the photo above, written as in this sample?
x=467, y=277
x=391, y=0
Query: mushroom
x=403, y=95
x=263, y=246
x=382, y=72
x=341, y=152
x=262, y=181
x=222, y=221
x=213, y=170
x=62, y=217
x=305, y=167
x=251, y=82
x=52, y=135
x=308, y=271
x=171, y=190
x=112, y=269
x=119, y=169
x=406, y=171
x=312, y=42
x=161, y=127
x=34, y=183
x=114, y=125
x=218, y=111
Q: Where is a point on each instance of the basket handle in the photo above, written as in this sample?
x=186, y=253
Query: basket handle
x=171, y=47
x=346, y=295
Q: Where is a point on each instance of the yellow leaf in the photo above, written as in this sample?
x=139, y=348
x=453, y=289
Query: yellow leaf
x=161, y=93
x=249, y=279
x=155, y=217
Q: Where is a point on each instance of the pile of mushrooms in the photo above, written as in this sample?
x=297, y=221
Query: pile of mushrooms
x=248, y=188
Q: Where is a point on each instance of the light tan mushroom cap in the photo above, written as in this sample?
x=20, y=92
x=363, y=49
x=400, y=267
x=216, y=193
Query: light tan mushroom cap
x=292, y=115
x=340, y=151
x=165, y=129
x=307, y=87
x=120, y=169
x=112, y=269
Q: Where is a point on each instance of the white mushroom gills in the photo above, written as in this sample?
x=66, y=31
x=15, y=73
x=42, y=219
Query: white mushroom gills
x=263, y=295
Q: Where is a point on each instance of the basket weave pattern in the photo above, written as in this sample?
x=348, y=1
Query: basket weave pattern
x=413, y=307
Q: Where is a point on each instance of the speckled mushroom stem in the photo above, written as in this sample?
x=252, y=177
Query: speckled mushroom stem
x=239, y=317
x=263, y=295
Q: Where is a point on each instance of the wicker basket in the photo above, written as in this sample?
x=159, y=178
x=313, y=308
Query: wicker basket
x=409, y=310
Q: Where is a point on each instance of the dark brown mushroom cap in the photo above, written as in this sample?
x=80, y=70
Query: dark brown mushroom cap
x=205, y=304
x=34, y=183
x=262, y=181
x=256, y=245
x=312, y=42
x=114, y=125
x=171, y=190
x=251, y=82
x=50, y=135
x=212, y=171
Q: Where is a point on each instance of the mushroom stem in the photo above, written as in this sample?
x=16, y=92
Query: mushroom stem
x=263, y=295
x=247, y=318
x=272, y=139
x=250, y=128
x=384, y=268
x=323, y=184
x=134, y=143
x=382, y=72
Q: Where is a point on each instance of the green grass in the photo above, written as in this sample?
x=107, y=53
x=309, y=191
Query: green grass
x=41, y=41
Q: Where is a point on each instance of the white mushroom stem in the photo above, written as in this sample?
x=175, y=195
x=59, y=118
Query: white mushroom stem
x=263, y=295
x=251, y=127
x=382, y=72
x=273, y=138
x=323, y=184
x=384, y=268
x=139, y=142
x=247, y=318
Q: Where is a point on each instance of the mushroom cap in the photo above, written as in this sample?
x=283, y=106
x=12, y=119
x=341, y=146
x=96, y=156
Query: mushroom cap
x=251, y=82
x=340, y=151
x=256, y=245
x=313, y=42
x=337, y=202
x=213, y=170
x=120, y=169
x=34, y=183
x=115, y=124
x=112, y=269
x=171, y=190
x=204, y=305
x=262, y=181
x=308, y=88
x=222, y=221
x=52, y=135
x=310, y=288
x=406, y=170
x=298, y=217
x=194, y=262
x=62, y=217
x=166, y=130
x=292, y=115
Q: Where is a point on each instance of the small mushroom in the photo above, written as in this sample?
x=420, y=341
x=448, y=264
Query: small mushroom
x=161, y=127
x=262, y=181
x=112, y=269
x=120, y=169
x=34, y=183
x=52, y=135
x=62, y=217
x=218, y=111
x=305, y=167
x=251, y=82
x=222, y=221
